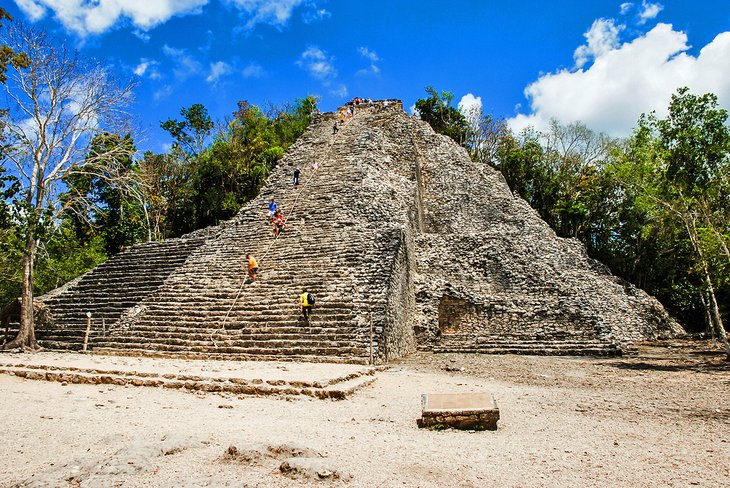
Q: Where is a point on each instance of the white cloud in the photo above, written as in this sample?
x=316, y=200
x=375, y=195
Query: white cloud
x=649, y=11
x=469, y=105
x=373, y=58
x=274, y=12
x=89, y=17
x=601, y=38
x=218, y=70
x=253, y=70
x=633, y=78
x=317, y=63
x=471, y=108
x=625, y=7
x=141, y=35
x=185, y=65
x=95, y=17
x=312, y=16
x=148, y=67
x=141, y=68
x=33, y=9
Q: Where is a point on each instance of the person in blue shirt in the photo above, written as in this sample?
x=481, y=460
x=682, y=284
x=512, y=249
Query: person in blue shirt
x=272, y=210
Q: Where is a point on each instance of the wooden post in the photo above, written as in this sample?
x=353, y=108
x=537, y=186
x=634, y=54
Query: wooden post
x=88, y=329
x=371, y=338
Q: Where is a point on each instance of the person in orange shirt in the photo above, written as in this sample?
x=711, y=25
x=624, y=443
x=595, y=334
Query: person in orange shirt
x=253, y=267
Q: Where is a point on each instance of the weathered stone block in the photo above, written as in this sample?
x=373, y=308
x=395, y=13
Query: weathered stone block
x=464, y=411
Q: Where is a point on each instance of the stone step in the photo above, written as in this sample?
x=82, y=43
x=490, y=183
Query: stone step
x=337, y=388
x=343, y=338
x=343, y=359
x=242, y=350
x=544, y=349
x=333, y=339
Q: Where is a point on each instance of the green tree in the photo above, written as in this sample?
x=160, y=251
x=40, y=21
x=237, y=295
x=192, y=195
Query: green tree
x=694, y=146
x=678, y=166
x=212, y=186
x=10, y=57
x=191, y=133
x=102, y=195
x=442, y=117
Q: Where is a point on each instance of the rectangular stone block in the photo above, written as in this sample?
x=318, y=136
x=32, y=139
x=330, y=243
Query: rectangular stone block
x=464, y=411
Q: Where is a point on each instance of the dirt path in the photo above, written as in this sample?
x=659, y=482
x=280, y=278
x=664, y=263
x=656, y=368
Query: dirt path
x=659, y=419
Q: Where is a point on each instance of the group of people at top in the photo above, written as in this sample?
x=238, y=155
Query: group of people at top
x=360, y=101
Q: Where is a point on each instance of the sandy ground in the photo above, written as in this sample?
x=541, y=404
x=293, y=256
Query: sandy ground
x=659, y=419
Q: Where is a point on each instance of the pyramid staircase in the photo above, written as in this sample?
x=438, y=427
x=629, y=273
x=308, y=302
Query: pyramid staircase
x=204, y=309
x=110, y=289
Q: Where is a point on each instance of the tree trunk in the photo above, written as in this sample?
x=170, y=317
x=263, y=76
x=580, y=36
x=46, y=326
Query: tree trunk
x=714, y=308
x=26, y=334
x=715, y=314
x=709, y=323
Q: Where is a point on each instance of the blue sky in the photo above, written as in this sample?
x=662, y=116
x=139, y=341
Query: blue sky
x=601, y=62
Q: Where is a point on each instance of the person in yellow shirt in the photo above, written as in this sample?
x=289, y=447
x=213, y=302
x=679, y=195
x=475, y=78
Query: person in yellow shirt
x=253, y=267
x=306, y=301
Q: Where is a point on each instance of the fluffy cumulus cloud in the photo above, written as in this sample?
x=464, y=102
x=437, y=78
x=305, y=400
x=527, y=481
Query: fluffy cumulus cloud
x=602, y=37
x=85, y=17
x=317, y=63
x=470, y=106
x=627, y=79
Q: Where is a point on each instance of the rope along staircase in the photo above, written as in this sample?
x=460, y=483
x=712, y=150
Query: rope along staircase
x=203, y=309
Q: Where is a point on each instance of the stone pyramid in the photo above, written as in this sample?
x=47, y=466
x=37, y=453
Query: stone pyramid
x=406, y=245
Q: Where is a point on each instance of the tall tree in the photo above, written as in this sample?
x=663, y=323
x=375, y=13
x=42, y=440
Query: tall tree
x=695, y=145
x=679, y=166
x=441, y=116
x=102, y=195
x=57, y=106
x=192, y=132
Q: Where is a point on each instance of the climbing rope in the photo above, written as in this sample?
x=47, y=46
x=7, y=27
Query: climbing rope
x=286, y=218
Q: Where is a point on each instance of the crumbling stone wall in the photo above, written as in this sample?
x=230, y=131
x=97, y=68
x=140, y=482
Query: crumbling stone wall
x=489, y=266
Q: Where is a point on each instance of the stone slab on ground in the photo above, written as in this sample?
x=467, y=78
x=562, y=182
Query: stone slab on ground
x=464, y=411
x=322, y=380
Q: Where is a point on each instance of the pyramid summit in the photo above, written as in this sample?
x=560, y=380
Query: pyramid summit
x=405, y=243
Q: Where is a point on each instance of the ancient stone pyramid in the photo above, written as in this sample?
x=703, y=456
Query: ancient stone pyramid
x=406, y=245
